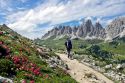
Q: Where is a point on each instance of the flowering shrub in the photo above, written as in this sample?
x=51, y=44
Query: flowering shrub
x=1, y=42
x=32, y=81
x=23, y=64
x=46, y=76
x=7, y=68
x=4, y=50
x=20, y=62
x=1, y=33
x=28, y=76
x=23, y=81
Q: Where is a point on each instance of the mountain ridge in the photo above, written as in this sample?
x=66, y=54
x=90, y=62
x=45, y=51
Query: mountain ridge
x=89, y=31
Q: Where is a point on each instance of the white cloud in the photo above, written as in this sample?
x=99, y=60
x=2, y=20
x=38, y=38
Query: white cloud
x=54, y=12
x=36, y=33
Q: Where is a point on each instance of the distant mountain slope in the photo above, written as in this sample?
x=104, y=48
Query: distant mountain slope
x=89, y=31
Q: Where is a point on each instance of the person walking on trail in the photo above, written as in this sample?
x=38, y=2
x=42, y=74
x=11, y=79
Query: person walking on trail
x=68, y=45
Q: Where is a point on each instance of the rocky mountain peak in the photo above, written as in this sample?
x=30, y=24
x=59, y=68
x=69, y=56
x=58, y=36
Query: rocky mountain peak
x=88, y=22
x=98, y=25
x=116, y=27
x=88, y=30
x=82, y=31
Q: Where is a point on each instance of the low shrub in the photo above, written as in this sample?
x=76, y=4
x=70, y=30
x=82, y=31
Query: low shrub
x=97, y=52
x=4, y=50
x=7, y=68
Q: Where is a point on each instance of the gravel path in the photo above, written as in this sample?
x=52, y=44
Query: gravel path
x=83, y=73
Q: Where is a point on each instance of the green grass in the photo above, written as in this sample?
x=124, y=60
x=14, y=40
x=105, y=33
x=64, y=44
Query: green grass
x=59, y=44
x=119, y=49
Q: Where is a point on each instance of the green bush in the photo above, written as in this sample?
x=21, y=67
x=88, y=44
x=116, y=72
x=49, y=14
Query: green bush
x=97, y=52
x=6, y=67
x=82, y=46
x=94, y=49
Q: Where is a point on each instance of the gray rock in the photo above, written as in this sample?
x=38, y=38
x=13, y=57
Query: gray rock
x=7, y=80
x=56, y=62
x=108, y=66
x=119, y=66
x=93, y=63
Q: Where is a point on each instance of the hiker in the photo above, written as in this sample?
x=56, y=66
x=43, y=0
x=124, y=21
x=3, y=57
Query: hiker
x=68, y=45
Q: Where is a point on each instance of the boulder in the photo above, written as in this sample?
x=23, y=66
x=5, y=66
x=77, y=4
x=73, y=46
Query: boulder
x=119, y=66
x=108, y=66
x=5, y=80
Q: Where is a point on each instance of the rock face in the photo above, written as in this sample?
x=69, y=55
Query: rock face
x=51, y=33
x=116, y=28
x=89, y=31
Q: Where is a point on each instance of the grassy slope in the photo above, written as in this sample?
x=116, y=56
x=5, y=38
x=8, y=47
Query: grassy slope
x=59, y=44
x=118, y=49
x=22, y=47
x=115, y=48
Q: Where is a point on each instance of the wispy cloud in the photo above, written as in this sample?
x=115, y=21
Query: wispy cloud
x=55, y=12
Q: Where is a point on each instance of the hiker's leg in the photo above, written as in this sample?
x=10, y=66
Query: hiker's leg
x=68, y=52
x=69, y=55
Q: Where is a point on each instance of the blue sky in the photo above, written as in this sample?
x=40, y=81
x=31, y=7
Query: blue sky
x=33, y=18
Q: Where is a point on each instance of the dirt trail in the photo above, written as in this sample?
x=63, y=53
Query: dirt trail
x=83, y=73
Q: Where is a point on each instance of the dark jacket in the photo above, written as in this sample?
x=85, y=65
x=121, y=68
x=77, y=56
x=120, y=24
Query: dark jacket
x=68, y=44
